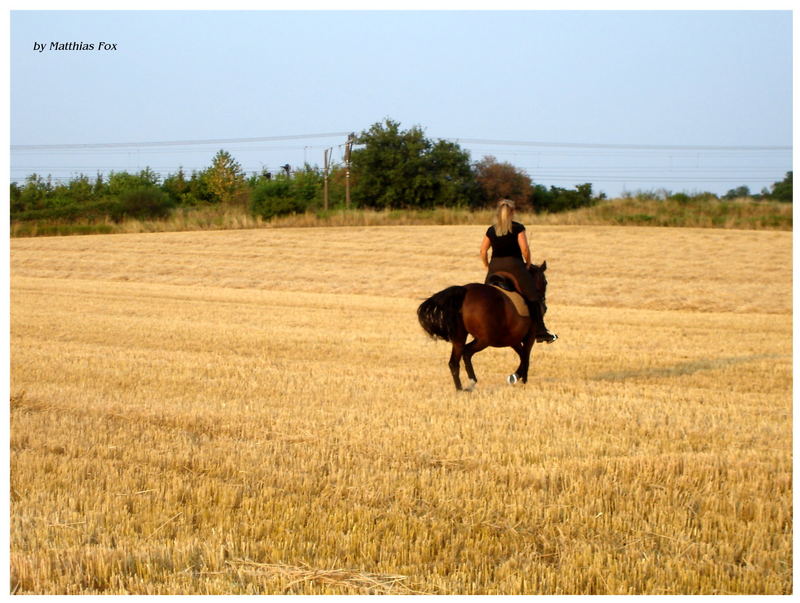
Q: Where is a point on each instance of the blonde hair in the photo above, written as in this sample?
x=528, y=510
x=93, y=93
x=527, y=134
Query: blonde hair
x=505, y=210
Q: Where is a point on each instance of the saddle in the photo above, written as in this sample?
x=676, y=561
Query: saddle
x=507, y=283
x=503, y=280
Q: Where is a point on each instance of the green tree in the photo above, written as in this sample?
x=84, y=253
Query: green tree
x=122, y=182
x=402, y=168
x=100, y=187
x=737, y=193
x=454, y=181
x=35, y=193
x=783, y=191
x=225, y=179
x=15, y=195
x=80, y=190
x=198, y=189
x=178, y=188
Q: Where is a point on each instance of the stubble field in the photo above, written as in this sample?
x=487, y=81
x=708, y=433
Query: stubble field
x=259, y=412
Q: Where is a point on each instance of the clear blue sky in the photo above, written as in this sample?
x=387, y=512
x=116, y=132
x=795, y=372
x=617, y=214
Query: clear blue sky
x=594, y=79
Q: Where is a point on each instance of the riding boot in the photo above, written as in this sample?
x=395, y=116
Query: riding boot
x=543, y=335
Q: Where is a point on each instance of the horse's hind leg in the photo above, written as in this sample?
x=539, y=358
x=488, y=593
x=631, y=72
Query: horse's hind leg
x=455, y=361
x=472, y=348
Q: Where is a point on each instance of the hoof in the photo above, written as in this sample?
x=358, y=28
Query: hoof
x=470, y=386
x=512, y=379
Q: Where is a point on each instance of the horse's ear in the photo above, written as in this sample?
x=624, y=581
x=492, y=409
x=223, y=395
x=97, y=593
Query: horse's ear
x=544, y=265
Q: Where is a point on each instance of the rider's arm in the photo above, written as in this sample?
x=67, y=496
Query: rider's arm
x=522, y=238
x=485, y=251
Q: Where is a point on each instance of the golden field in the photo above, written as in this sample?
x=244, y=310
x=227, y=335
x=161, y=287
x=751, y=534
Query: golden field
x=258, y=411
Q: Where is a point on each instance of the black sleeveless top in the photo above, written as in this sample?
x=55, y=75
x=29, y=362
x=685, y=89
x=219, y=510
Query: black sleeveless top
x=507, y=245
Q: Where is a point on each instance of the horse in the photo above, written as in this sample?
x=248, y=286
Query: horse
x=489, y=315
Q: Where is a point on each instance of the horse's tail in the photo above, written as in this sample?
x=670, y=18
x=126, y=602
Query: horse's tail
x=440, y=314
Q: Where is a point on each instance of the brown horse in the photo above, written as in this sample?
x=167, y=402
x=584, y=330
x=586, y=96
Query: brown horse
x=489, y=316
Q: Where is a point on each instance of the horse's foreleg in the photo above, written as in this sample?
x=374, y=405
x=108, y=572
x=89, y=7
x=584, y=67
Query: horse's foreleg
x=472, y=348
x=523, y=350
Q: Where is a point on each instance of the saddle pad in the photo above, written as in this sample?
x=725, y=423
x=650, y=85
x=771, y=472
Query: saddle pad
x=516, y=299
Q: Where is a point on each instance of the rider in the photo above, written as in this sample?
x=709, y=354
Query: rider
x=511, y=253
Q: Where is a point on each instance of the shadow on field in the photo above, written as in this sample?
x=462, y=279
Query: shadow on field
x=683, y=368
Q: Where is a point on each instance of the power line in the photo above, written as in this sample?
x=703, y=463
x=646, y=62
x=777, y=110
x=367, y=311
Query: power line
x=594, y=171
x=471, y=141
x=164, y=143
x=128, y=151
x=576, y=179
x=640, y=147
x=554, y=177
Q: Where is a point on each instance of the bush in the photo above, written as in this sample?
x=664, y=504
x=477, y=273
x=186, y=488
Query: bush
x=704, y=197
x=306, y=185
x=121, y=182
x=681, y=198
x=560, y=199
x=694, y=198
x=648, y=195
x=66, y=211
x=144, y=202
x=275, y=198
x=740, y=192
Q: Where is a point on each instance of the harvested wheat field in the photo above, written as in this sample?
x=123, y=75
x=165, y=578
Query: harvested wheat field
x=260, y=412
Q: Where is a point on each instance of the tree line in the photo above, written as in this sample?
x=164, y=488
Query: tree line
x=779, y=191
x=391, y=168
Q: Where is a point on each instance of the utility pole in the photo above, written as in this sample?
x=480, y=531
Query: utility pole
x=327, y=162
x=348, y=145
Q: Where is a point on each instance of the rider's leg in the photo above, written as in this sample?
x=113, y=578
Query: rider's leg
x=543, y=334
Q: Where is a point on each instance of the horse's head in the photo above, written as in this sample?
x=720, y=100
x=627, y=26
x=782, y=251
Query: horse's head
x=537, y=272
